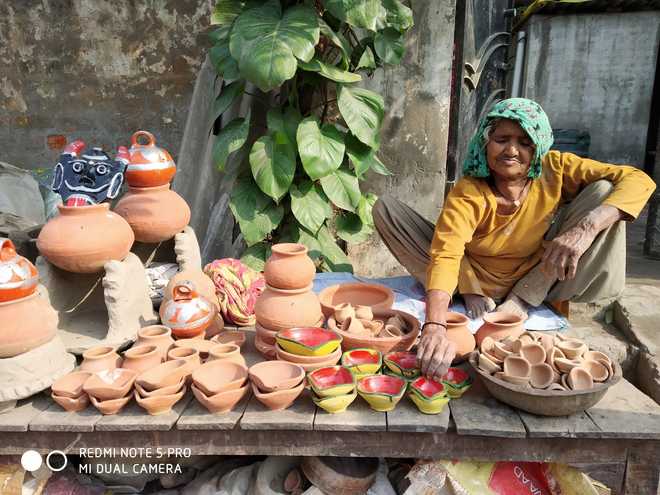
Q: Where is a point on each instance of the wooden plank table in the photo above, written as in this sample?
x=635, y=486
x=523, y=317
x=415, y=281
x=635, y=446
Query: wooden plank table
x=622, y=432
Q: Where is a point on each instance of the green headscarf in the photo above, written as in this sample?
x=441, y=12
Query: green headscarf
x=531, y=118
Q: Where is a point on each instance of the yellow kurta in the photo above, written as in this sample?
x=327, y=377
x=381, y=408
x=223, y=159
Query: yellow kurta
x=481, y=251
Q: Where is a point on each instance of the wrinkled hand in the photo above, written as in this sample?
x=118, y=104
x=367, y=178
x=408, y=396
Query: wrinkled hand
x=478, y=305
x=435, y=352
x=564, y=251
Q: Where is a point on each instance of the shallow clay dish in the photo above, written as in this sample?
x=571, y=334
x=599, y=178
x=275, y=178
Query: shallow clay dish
x=160, y=404
x=308, y=341
x=382, y=392
x=332, y=380
x=110, y=384
x=377, y=296
x=402, y=363
x=544, y=402
x=222, y=402
x=71, y=404
x=164, y=375
x=279, y=400
x=271, y=376
x=214, y=377
x=109, y=407
x=71, y=385
x=230, y=337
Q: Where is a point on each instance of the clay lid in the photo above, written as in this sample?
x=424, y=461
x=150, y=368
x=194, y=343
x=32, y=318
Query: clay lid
x=110, y=384
x=270, y=376
x=146, y=155
x=382, y=385
x=218, y=376
x=18, y=277
x=71, y=385
x=140, y=351
x=428, y=389
x=163, y=375
x=154, y=332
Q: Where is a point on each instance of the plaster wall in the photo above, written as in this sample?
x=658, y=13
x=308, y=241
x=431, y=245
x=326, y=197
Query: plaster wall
x=595, y=72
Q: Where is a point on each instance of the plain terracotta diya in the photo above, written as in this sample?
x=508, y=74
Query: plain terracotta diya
x=541, y=375
x=265, y=349
x=289, y=267
x=280, y=399
x=364, y=312
x=159, y=404
x=221, y=402
x=517, y=344
x=515, y=369
x=556, y=387
x=110, y=384
x=71, y=385
x=226, y=352
x=358, y=294
x=71, y=404
x=188, y=313
x=487, y=344
x=236, y=337
x=158, y=335
x=109, y=407
x=308, y=341
x=343, y=311
x=553, y=354
x=402, y=363
x=382, y=392
x=456, y=382
x=486, y=364
x=271, y=376
x=141, y=358
x=566, y=365
x=579, y=379
x=214, y=377
x=573, y=349
x=332, y=380
x=353, y=325
x=501, y=350
x=595, y=356
x=499, y=325
x=164, y=375
x=18, y=276
x=100, y=358
x=362, y=361
x=169, y=390
x=534, y=353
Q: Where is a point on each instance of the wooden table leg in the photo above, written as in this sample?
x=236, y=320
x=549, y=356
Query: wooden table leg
x=643, y=470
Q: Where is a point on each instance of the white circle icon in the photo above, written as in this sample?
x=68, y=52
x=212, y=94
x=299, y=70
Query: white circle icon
x=56, y=460
x=31, y=460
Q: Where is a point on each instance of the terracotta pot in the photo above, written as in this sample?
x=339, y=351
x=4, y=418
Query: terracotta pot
x=110, y=407
x=71, y=385
x=154, y=213
x=227, y=352
x=202, y=346
x=159, y=404
x=100, y=358
x=271, y=376
x=156, y=335
x=202, y=282
x=377, y=296
x=148, y=165
x=72, y=404
x=82, y=239
x=164, y=375
x=289, y=267
x=188, y=313
x=221, y=402
x=189, y=355
x=278, y=309
x=110, y=384
x=18, y=277
x=499, y=325
x=141, y=358
x=458, y=333
x=26, y=323
x=279, y=400
x=219, y=376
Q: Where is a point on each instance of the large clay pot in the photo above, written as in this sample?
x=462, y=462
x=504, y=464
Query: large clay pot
x=18, y=277
x=81, y=239
x=499, y=325
x=289, y=267
x=188, y=314
x=278, y=309
x=458, y=333
x=149, y=165
x=26, y=323
x=154, y=213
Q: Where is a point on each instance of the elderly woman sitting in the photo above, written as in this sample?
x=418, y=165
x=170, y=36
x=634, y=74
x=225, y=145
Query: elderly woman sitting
x=523, y=225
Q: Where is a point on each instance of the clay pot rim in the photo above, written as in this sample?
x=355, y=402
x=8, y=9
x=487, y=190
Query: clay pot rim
x=141, y=351
x=234, y=349
x=289, y=292
x=494, y=317
x=138, y=190
x=289, y=249
x=174, y=366
x=95, y=352
x=190, y=352
x=238, y=333
x=463, y=320
x=164, y=331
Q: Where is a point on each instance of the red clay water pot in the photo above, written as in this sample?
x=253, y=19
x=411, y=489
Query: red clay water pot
x=289, y=267
x=188, y=314
x=81, y=239
x=18, y=277
x=499, y=325
x=149, y=165
x=458, y=333
x=154, y=213
x=279, y=309
x=26, y=323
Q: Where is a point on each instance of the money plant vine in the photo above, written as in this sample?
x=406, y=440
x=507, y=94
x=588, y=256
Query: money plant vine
x=301, y=179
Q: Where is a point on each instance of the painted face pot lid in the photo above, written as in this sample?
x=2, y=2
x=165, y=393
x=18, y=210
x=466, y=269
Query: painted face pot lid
x=84, y=177
x=18, y=277
x=149, y=165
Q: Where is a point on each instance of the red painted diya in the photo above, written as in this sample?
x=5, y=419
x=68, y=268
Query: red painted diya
x=382, y=385
x=308, y=341
x=149, y=165
x=429, y=389
x=402, y=363
x=456, y=381
x=332, y=380
x=18, y=277
x=188, y=314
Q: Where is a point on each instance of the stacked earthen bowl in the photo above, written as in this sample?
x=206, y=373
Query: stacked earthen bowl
x=160, y=387
x=288, y=300
x=220, y=384
x=110, y=390
x=277, y=384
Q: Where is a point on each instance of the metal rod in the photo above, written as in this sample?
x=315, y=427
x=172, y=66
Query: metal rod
x=519, y=64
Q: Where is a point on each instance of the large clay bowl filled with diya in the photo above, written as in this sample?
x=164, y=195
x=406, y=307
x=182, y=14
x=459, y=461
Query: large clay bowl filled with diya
x=82, y=239
x=532, y=373
x=378, y=297
x=384, y=341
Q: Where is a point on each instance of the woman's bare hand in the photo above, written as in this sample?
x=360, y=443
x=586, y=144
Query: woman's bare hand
x=435, y=352
x=562, y=254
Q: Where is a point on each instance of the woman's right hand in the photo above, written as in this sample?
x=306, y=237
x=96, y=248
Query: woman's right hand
x=435, y=352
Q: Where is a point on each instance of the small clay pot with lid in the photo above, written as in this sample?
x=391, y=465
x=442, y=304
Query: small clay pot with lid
x=100, y=358
x=149, y=165
x=188, y=313
x=18, y=276
x=289, y=267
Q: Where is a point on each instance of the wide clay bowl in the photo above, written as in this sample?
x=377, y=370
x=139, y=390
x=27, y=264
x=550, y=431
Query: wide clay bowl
x=279, y=400
x=382, y=392
x=110, y=384
x=377, y=296
x=383, y=344
x=335, y=404
x=271, y=376
x=160, y=404
x=499, y=325
x=236, y=337
x=71, y=384
x=308, y=341
x=222, y=402
x=402, y=363
x=164, y=375
x=214, y=377
x=362, y=361
x=456, y=382
x=71, y=404
x=544, y=402
x=169, y=390
x=331, y=381
x=109, y=407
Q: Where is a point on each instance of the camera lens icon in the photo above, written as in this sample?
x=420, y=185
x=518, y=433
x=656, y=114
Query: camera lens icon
x=56, y=461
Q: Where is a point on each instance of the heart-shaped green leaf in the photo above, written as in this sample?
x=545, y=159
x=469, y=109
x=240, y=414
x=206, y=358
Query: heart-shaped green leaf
x=309, y=205
x=321, y=149
x=338, y=40
x=224, y=63
x=330, y=71
x=230, y=139
x=359, y=154
x=363, y=111
x=225, y=11
x=227, y=96
x=334, y=259
x=359, y=13
x=367, y=59
x=365, y=208
x=273, y=164
x=255, y=212
x=351, y=228
x=342, y=187
x=398, y=15
x=389, y=46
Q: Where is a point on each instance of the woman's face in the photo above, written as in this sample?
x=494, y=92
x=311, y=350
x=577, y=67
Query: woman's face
x=509, y=151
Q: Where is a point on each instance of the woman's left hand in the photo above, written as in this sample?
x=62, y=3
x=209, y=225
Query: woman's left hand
x=562, y=254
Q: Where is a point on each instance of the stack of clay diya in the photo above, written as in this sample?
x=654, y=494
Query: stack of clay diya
x=544, y=361
x=220, y=384
x=288, y=300
x=188, y=314
x=333, y=388
x=151, y=208
x=277, y=384
x=159, y=388
x=309, y=347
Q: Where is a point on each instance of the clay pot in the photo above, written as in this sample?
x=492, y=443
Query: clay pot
x=201, y=281
x=573, y=349
x=221, y=402
x=110, y=407
x=70, y=385
x=541, y=375
x=597, y=370
x=279, y=400
x=219, y=376
x=202, y=346
x=72, y=404
x=579, y=379
x=534, y=353
x=148, y=165
x=157, y=335
x=100, y=358
x=189, y=355
x=110, y=384
x=169, y=390
x=458, y=333
x=141, y=358
x=378, y=297
x=164, y=375
x=159, y=404
x=278, y=309
x=82, y=239
x=344, y=311
x=227, y=352
x=499, y=325
x=271, y=376
x=188, y=314
x=289, y=267
x=26, y=323
x=154, y=213
x=236, y=337
x=18, y=277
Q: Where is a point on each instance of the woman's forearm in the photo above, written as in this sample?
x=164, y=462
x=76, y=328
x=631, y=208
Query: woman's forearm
x=437, y=305
x=600, y=218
